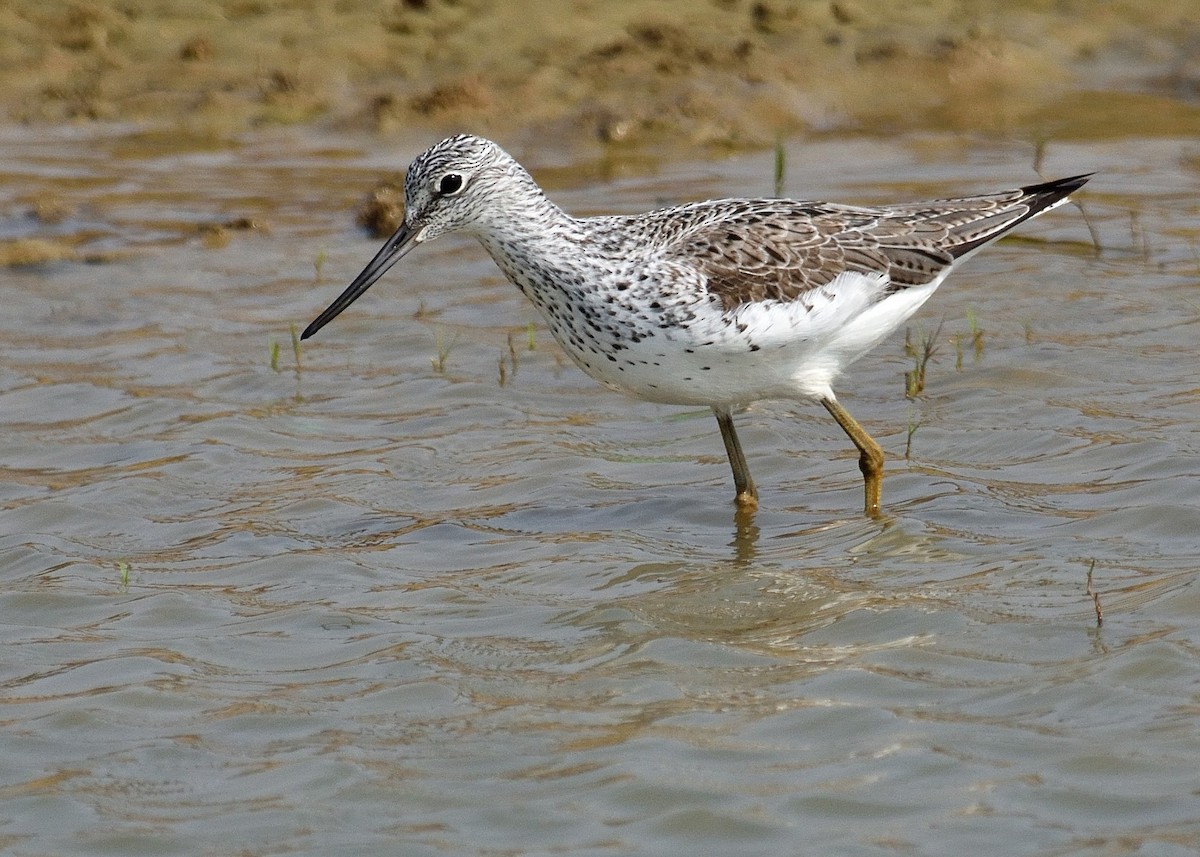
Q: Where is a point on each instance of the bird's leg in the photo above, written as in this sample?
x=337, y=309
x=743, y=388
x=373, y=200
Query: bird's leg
x=870, y=459
x=747, y=494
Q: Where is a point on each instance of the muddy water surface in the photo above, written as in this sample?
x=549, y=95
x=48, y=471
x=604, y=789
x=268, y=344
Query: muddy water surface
x=434, y=592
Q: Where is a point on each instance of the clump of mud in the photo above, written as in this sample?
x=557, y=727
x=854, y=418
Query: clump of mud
x=383, y=210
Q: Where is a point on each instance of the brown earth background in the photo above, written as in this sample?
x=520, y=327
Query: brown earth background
x=696, y=72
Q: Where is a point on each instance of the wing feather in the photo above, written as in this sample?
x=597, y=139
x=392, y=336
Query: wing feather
x=782, y=250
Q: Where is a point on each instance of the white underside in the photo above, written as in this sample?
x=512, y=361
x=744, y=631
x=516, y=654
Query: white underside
x=801, y=350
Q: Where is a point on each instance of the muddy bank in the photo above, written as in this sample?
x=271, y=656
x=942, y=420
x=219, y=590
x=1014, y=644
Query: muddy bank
x=726, y=72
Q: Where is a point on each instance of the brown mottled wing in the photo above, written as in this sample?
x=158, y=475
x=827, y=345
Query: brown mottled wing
x=755, y=250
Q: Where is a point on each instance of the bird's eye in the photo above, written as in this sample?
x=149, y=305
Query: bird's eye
x=450, y=184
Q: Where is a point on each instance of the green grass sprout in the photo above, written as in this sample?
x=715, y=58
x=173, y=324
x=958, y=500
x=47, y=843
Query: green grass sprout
x=780, y=166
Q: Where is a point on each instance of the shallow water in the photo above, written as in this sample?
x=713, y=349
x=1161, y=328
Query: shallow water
x=382, y=606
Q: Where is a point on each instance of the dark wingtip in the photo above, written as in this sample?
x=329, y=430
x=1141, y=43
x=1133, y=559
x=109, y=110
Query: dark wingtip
x=1040, y=197
x=1058, y=188
x=1036, y=198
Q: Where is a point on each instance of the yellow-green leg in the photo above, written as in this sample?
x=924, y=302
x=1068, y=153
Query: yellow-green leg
x=747, y=494
x=870, y=459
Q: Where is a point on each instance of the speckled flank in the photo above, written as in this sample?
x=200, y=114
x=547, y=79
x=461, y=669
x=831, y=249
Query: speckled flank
x=718, y=303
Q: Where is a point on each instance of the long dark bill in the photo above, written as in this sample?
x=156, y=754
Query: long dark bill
x=404, y=239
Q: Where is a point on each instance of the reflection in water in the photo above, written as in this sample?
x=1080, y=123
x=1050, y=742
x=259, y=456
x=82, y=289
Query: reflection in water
x=380, y=607
x=745, y=534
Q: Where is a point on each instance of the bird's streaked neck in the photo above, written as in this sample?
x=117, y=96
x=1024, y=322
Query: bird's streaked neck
x=529, y=225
